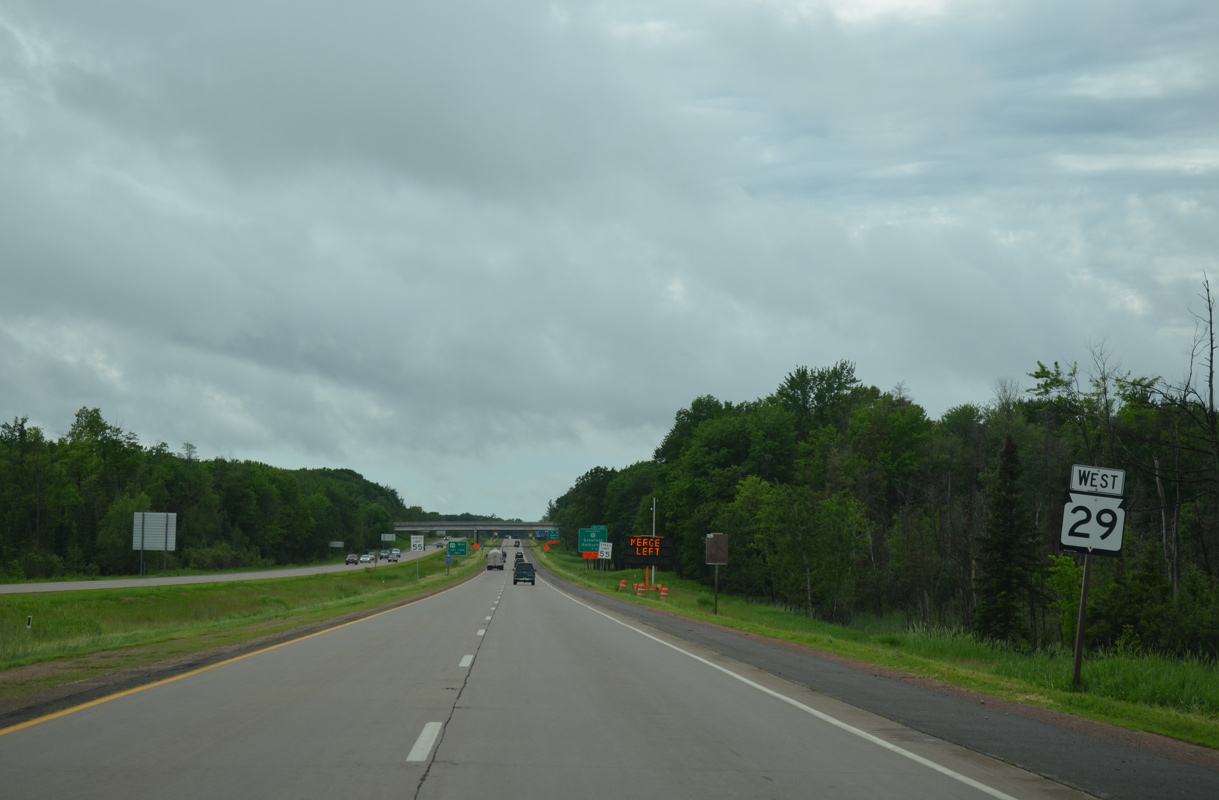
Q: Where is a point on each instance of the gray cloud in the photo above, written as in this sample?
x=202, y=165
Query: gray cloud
x=473, y=250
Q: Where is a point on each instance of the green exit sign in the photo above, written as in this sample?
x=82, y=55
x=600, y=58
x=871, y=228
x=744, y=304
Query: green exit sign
x=457, y=548
x=590, y=539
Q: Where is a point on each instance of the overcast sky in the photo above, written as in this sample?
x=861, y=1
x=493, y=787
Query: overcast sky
x=473, y=249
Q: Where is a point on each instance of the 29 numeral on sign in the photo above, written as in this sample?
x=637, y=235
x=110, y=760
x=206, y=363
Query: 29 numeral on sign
x=1093, y=522
x=1106, y=518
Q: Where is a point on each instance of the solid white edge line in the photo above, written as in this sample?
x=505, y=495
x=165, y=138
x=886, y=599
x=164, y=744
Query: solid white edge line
x=807, y=709
x=423, y=745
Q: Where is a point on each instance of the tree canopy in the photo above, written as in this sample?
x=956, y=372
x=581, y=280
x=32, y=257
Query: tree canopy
x=66, y=505
x=841, y=499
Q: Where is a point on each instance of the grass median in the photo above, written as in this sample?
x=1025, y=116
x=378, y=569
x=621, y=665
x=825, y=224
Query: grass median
x=1178, y=698
x=47, y=640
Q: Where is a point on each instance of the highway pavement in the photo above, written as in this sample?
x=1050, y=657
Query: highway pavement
x=152, y=579
x=495, y=690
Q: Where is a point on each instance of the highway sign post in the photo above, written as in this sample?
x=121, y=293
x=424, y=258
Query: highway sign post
x=1095, y=513
x=590, y=540
x=716, y=552
x=417, y=546
x=455, y=549
x=605, y=551
x=1093, y=521
x=154, y=531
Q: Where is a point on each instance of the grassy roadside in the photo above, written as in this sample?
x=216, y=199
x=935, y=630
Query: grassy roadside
x=74, y=636
x=1179, y=699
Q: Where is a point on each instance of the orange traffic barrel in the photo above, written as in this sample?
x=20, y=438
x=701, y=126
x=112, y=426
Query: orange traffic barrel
x=622, y=585
x=640, y=588
x=664, y=592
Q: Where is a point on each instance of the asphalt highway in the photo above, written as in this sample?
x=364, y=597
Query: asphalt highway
x=515, y=691
x=180, y=580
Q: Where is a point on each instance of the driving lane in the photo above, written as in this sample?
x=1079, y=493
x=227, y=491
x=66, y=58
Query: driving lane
x=332, y=715
x=587, y=704
x=490, y=689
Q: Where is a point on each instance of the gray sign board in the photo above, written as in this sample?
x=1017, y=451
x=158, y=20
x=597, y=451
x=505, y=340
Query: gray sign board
x=153, y=530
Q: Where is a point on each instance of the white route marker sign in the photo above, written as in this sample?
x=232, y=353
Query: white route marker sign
x=1095, y=514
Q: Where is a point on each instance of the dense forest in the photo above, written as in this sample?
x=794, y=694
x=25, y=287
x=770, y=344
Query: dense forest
x=67, y=505
x=840, y=499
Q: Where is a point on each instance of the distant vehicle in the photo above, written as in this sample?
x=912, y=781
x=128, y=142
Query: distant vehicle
x=495, y=559
x=393, y=557
x=352, y=558
x=366, y=558
x=517, y=544
x=520, y=556
x=384, y=554
x=522, y=572
x=397, y=551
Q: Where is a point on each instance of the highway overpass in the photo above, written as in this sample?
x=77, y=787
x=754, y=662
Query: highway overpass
x=472, y=525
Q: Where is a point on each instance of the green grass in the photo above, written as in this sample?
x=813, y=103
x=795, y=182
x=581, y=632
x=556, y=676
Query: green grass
x=80, y=634
x=1171, y=697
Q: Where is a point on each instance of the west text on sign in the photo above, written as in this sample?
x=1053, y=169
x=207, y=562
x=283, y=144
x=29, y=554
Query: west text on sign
x=1098, y=480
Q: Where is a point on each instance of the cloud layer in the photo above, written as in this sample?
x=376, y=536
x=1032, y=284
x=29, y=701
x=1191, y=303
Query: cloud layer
x=472, y=250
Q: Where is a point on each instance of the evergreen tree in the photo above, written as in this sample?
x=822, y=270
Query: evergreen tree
x=1008, y=565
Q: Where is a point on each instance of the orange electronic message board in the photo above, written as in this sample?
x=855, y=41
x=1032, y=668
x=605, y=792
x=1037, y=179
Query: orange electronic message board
x=648, y=551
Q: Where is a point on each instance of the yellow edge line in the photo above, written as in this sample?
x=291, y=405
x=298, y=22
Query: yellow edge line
x=192, y=673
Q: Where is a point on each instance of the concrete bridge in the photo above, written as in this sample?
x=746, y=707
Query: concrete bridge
x=494, y=525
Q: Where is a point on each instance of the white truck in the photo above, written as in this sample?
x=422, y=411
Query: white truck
x=496, y=559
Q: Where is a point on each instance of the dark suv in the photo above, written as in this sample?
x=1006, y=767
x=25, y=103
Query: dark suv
x=522, y=572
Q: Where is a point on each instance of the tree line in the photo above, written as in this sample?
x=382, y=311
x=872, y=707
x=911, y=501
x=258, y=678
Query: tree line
x=841, y=499
x=67, y=505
